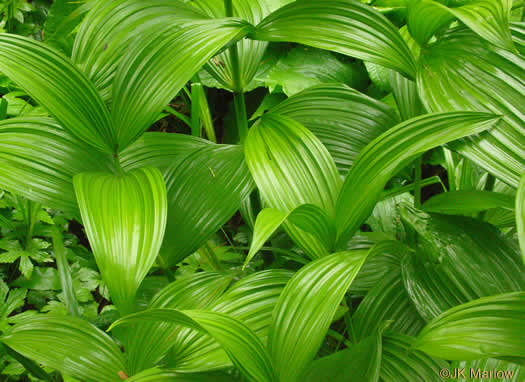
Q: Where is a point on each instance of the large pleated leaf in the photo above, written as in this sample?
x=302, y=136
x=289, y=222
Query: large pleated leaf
x=360, y=362
x=38, y=160
x=520, y=215
x=306, y=308
x=160, y=150
x=148, y=343
x=251, y=300
x=290, y=165
x=111, y=27
x=488, y=18
x=125, y=218
x=464, y=202
x=240, y=343
x=250, y=52
x=69, y=345
x=457, y=73
x=387, y=301
x=55, y=83
x=485, y=328
x=204, y=192
x=489, y=369
x=307, y=217
x=343, y=119
x=343, y=26
x=401, y=363
x=158, y=65
x=380, y=160
x=462, y=259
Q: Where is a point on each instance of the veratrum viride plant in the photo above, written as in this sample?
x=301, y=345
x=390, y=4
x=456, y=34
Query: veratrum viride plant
x=422, y=290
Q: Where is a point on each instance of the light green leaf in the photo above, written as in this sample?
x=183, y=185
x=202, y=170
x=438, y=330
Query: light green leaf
x=125, y=218
x=38, y=160
x=205, y=189
x=307, y=217
x=343, y=26
x=481, y=369
x=392, y=150
x=457, y=73
x=240, y=343
x=26, y=266
x=485, y=328
x=488, y=18
x=466, y=202
x=343, y=119
x=461, y=259
x=306, y=308
x=360, y=362
x=520, y=215
x=305, y=67
x=401, y=363
x=158, y=64
x=53, y=81
x=69, y=345
x=111, y=27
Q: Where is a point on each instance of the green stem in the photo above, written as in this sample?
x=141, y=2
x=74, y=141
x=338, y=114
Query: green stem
x=417, y=183
x=241, y=116
x=116, y=162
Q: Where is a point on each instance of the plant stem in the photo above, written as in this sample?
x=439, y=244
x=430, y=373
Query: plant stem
x=241, y=116
x=417, y=183
x=118, y=168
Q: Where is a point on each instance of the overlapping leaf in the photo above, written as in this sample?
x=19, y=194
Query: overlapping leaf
x=379, y=161
x=343, y=119
x=55, y=83
x=457, y=73
x=485, y=328
x=125, y=218
x=343, y=26
x=306, y=308
x=38, y=159
x=520, y=215
x=68, y=344
x=465, y=202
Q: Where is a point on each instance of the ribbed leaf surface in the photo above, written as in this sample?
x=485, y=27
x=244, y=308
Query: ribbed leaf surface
x=55, y=83
x=125, y=218
x=70, y=345
x=380, y=160
x=466, y=202
x=343, y=26
x=306, y=308
x=343, y=119
x=520, y=215
x=457, y=73
x=485, y=328
x=38, y=160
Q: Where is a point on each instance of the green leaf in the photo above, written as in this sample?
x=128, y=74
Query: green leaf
x=457, y=73
x=26, y=266
x=199, y=291
x=389, y=152
x=343, y=119
x=205, y=190
x=466, y=202
x=485, y=328
x=61, y=22
x=488, y=18
x=461, y=259
x=240, y=343
x=401, y=363
x=306, y=308
x=343, y=26
x=53, y=81
x=111, y=27
x=360, y=362
x=158, y=65
x=520, y=215
x=387, y=301
x=38, y=160
x=69, y=345
x=307, y=217
x=125, y=218
x=304, y=67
